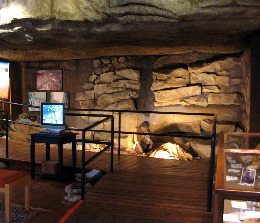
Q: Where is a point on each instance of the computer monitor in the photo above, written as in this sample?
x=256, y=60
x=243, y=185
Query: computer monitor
x=53, y=116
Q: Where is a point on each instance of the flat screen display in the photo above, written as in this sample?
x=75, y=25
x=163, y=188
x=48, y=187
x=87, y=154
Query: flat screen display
x=53, y=116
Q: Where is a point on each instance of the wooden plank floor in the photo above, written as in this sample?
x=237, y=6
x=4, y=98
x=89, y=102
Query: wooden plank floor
x=175, y=191
x=141, y=189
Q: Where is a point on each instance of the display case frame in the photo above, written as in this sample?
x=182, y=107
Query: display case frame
x=238, y=157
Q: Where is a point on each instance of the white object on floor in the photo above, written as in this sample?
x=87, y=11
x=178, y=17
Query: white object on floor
x=72, y=199
x=2, y=165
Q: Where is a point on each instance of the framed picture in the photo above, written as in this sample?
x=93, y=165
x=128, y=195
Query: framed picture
x=248, y=177
x=49, y=80
x=60, y=97
x=35, y=99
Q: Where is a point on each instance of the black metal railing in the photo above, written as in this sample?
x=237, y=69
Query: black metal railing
x=84, y=162
x=109, y=145
x=210, y=136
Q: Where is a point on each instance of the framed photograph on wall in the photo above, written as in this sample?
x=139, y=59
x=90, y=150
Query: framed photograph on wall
x=49, y=80
x=60, y=97
x=35, y=99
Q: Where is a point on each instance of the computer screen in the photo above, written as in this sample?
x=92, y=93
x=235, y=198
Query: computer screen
x=53, y=116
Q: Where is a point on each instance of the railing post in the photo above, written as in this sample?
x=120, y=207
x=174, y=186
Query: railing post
x=6, y=135
x=112, y=144
x=211, y=164
x=83, y=158
x=119, y=133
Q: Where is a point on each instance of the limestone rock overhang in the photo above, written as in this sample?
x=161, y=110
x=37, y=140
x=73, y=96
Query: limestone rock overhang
x=129, y=28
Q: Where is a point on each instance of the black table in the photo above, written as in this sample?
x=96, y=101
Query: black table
x=50, y=138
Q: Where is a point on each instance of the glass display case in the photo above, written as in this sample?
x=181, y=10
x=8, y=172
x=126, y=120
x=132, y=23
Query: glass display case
x=238, y=177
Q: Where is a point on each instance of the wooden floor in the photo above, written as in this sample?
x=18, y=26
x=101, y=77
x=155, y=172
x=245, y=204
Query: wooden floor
x=141, y=189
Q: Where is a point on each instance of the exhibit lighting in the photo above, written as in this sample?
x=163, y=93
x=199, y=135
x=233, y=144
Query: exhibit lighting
x=4, y=80
x=7, y=14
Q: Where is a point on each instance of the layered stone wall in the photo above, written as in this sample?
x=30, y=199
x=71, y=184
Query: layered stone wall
x=192, y=82
x=217, y=84
x=112, y=85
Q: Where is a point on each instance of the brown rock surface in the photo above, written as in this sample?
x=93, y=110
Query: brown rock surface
x=70, y=29
x=21, y=132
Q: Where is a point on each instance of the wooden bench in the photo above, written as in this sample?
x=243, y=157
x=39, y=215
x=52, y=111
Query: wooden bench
x=11, y=180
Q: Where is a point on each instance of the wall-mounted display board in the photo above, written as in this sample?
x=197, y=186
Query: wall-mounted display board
x=4, y=77
x=35, y=99
x=237, y=175
x=49, y=80
x=60, y=97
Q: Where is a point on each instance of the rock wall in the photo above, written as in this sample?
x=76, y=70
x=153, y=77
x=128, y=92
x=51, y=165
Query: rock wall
x=192, y=82
x=33, y=30
x=125, y=11
x=112, y=85
x=215, y=83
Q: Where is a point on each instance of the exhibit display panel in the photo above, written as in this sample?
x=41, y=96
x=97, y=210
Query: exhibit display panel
x=242, y=161
x=238, y=172
x=241, y=211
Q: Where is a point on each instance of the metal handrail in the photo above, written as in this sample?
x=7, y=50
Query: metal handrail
x=119, y=132
x=109, y=145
